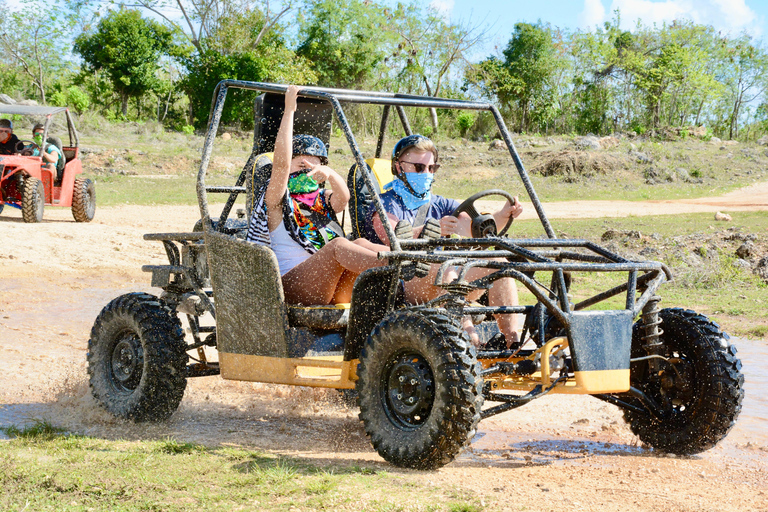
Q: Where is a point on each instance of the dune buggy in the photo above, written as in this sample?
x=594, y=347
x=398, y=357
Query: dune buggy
x=421, y=386
x=30, y=185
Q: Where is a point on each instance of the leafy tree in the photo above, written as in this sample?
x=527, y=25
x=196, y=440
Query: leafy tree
x=34, y=38
x=430, y=48
x=745, y=78
x=527, y=78
x=128, y=48
x=202, y=20
x=342, y=39
x=240, y=50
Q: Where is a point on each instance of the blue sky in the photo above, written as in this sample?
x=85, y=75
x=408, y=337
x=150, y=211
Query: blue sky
x=728, y=16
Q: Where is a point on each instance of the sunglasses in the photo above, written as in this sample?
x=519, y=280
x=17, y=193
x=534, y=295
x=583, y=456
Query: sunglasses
x=423, y=167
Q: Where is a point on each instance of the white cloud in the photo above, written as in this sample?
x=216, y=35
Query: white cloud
x=593, y=14
x=442, y=7
x=731, y=16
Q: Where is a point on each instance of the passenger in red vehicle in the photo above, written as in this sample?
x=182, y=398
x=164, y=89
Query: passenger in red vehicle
x=52, y=156
x=8, y=140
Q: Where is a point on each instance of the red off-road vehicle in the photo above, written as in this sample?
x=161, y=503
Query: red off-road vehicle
x=28, y=184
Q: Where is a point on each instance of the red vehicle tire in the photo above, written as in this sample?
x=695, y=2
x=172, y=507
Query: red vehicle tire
x=32, y=200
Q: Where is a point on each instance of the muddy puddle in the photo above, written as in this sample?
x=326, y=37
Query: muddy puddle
x=43, y=342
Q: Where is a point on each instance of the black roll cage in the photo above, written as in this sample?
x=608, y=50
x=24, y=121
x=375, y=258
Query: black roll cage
x=555, y=255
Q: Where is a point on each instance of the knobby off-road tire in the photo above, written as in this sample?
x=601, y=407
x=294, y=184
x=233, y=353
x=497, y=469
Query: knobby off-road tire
x=32, y=200
x=419, y=388
x=704, y=390
x=83, y=200
x=137, y=358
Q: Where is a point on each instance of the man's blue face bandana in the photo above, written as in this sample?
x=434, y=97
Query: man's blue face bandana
x=421, y=183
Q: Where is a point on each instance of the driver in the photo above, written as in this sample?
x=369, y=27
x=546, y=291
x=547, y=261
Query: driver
x=8, y=140
x=414, y=164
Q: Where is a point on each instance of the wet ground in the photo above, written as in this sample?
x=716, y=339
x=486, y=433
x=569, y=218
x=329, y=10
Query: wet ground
x=559, y=452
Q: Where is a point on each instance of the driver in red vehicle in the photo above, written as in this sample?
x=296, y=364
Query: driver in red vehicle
x=8, y=140
x=414, y=164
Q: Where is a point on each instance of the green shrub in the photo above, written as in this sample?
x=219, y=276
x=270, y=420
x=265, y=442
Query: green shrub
x=464, y=121
x=77, y=99
x=57, y=99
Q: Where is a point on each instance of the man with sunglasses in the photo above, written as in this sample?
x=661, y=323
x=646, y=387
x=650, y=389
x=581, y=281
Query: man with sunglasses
x=8, y=140
x=414, y=164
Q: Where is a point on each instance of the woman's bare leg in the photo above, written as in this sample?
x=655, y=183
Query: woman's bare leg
x=343, y=291
x=316, y=280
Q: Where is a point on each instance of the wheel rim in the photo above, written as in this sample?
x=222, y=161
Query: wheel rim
x=40, y=199
x=677, y=383
x=408, y=389
x=674, y=388
x=127, y=362
x=90, y=201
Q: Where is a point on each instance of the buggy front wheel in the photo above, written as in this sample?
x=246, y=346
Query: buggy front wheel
x=419, y=388
x=137, y=358
x=698, y=390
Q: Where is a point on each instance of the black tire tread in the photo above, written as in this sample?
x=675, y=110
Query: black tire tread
x=82, y=200
x=719, y=389
x=31, y=196
x=458, y=401
x=164, y=371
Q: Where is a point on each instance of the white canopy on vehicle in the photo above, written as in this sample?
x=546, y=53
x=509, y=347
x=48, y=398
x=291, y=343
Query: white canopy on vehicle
x=48, y=112
x=31, y=110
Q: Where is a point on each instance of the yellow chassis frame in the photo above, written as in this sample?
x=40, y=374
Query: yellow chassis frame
x=333, y=372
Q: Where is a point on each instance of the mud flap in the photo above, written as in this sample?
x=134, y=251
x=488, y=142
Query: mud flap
x=600, y=346
x=248, y=294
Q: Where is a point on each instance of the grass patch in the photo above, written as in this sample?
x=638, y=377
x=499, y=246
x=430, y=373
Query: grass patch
x=39, y=430
x=125, y=476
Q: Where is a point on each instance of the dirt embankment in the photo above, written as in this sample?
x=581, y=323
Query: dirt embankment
x=558, y=453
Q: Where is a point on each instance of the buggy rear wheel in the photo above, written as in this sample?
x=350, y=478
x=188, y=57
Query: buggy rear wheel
x=32, y=200
x=83, y=200
x=137, y=358
x=419, y=388
x=699, y=391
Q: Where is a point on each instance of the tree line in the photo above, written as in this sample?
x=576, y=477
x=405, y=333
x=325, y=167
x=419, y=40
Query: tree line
x=161, y=59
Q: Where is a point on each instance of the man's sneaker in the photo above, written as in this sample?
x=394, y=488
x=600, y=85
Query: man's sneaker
x=404, y=230
x=431, y=229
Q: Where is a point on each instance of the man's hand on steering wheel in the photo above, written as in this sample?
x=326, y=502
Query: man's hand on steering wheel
x=450, y=225
x=484, y=225
x=26, y=147
x=511, y=209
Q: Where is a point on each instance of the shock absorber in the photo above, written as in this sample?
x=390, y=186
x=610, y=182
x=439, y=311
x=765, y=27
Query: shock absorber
x=651, y=323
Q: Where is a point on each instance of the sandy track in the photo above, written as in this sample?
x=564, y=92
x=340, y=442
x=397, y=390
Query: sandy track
x=558, y=453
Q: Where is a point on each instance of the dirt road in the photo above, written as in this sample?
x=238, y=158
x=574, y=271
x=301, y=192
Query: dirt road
x=556, y=454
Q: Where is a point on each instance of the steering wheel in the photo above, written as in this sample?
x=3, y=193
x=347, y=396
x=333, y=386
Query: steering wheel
x=483, y=225
x=26, y=147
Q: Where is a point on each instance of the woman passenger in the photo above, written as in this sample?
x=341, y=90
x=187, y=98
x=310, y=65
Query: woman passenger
x=317, y=265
